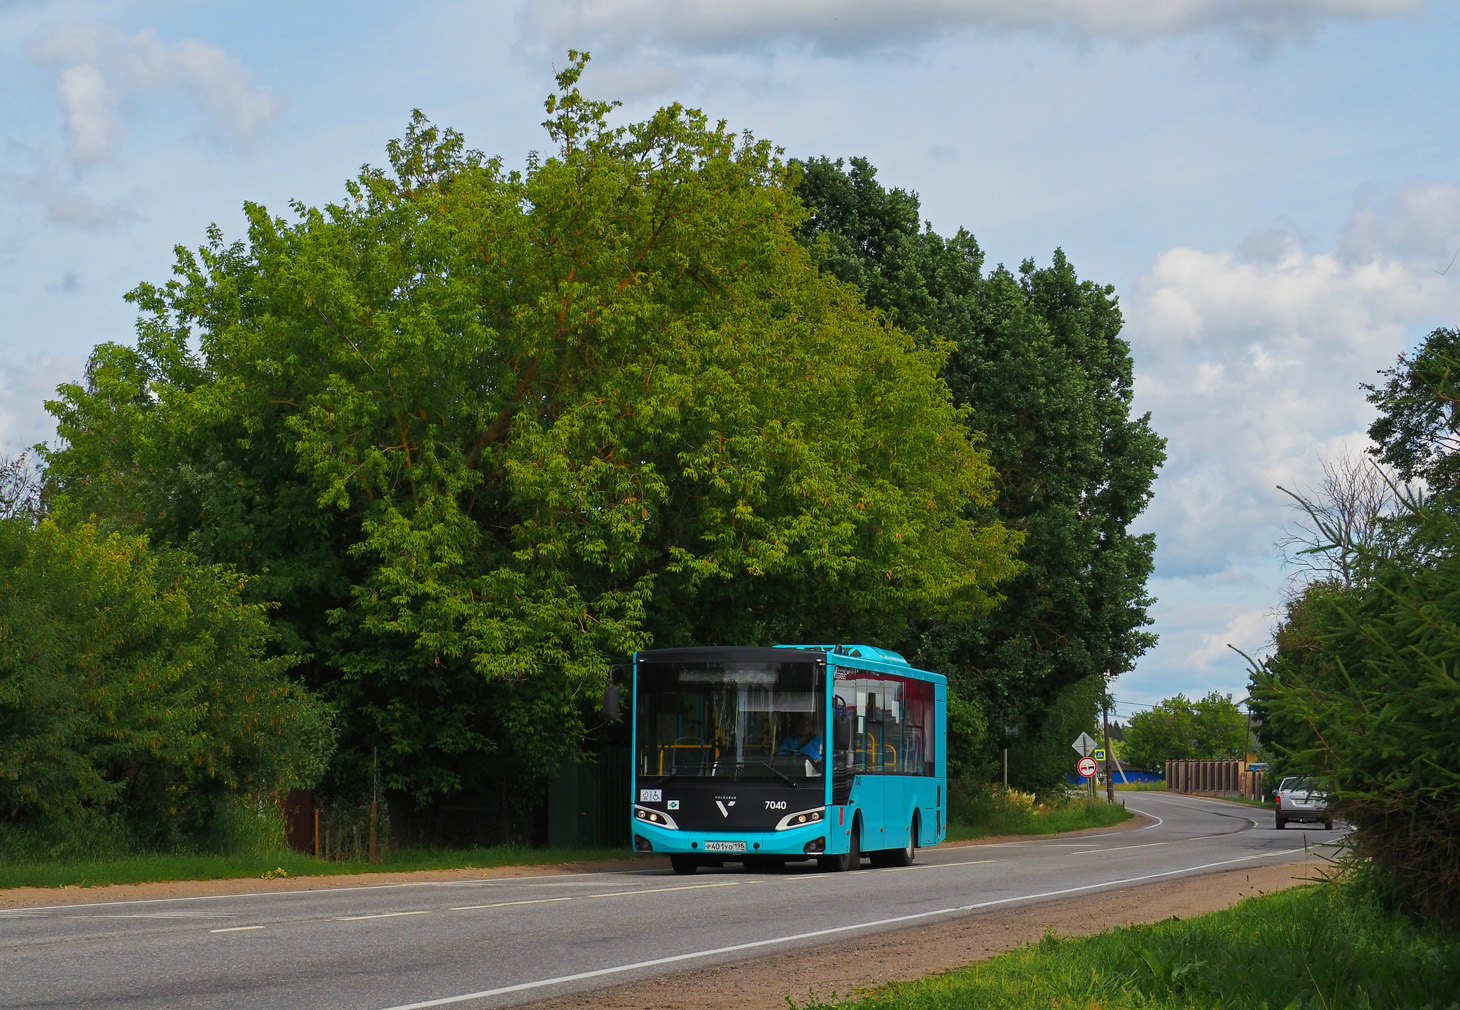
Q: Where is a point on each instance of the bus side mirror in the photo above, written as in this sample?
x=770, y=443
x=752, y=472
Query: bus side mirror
x=610, y=701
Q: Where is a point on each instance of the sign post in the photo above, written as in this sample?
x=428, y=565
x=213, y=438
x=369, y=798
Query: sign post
x=1084, y=746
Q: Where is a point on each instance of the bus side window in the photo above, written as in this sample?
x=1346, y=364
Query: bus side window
x=841, y=725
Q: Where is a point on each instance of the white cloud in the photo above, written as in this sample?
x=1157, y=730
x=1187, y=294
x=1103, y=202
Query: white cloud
x=44, y=184
x=1249, y=630
x=105, y=73
x=88, y=105
x=71, y=207
x=22, y=389
x=613, y=28
x=1251, y=364
x=1420, y=223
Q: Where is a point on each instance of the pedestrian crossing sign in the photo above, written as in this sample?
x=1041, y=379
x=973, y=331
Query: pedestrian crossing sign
x=1099, y=754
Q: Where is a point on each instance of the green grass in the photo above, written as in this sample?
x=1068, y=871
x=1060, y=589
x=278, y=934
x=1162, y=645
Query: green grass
x=148, y=868
x=1139, y=787
x=986, y=813
x=1305, y=948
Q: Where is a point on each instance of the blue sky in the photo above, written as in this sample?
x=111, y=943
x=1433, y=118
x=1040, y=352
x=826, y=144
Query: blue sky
x=1273, y=187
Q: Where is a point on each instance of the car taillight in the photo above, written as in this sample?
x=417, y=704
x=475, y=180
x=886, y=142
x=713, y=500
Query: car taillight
x=1277, y=801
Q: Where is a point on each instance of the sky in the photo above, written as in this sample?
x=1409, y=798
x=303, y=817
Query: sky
x=1271, y=186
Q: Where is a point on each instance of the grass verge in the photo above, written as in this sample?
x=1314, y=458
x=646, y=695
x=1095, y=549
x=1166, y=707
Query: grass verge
x=150, y=868
x=984, y=812
x=1308, y=947
x=973, y=814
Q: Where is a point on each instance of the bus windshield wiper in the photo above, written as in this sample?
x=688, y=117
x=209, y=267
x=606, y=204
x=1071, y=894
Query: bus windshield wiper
x=770, y=768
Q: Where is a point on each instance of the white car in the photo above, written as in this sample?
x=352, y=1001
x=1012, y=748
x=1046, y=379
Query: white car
x=1300, y=799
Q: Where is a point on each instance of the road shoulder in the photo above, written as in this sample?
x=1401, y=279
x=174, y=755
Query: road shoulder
x=25, y=897
x=848, y=968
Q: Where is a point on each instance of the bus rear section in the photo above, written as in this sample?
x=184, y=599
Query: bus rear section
x=765, y=755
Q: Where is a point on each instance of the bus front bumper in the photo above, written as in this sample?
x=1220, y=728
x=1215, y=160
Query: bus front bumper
x=800, y=842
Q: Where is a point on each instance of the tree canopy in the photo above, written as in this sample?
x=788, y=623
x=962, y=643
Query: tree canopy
x=1417, y=431
x=1179, y=729
x=1038, y=357
x=481, y=433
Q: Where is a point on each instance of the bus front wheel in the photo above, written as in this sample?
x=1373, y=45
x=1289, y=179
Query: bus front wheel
x=849, y=860
x=682, y=863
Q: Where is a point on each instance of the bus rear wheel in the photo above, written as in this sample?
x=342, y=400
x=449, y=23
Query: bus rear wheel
x=903, y=856
x=682, y=863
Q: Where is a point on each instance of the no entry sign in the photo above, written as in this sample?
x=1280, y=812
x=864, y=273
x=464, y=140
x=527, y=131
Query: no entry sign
x=1087, y=767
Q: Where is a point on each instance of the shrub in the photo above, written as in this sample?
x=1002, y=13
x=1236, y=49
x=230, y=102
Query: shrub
x=137, y=706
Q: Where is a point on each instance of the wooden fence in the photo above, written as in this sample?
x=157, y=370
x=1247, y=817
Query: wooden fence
x=1215, y=778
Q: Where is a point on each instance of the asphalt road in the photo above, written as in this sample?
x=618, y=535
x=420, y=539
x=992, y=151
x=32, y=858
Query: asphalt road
x=511, y=941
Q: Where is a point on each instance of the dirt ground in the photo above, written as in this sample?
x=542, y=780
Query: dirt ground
x=763, y=983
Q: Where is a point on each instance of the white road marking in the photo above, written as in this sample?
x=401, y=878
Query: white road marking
x=1119, y=848
x=1148, y=827
x=161, y=915
x=554, y=878
x=687, y=887
x=504, y=904
x=831, y=931
x=939, y=866
x=234, y=929
x=378, y=915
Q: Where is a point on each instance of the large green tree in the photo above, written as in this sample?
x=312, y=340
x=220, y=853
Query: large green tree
x=481, y=433
x=1039, y=359
x=1179, y=729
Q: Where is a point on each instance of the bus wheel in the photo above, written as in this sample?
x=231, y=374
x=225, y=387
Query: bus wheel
x=905, y=855
x=682, y=863
x=849, y=860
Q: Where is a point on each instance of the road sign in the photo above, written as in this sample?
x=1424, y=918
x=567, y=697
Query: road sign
x=1084, y=744
x=1086, y=767
x=1099, y=754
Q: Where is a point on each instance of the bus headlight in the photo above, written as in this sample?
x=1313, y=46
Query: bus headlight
x=801, y=817
x=658, y=817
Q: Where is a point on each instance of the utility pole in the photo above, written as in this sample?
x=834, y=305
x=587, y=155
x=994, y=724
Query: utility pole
x=374, y=801
x=1105, y=709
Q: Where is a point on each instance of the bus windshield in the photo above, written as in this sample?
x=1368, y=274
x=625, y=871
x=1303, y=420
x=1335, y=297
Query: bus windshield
x=745, y=721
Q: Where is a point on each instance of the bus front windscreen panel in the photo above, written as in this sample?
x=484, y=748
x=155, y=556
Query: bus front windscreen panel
x=731, y=721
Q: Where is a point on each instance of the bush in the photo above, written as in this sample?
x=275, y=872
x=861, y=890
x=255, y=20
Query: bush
x=137, y=707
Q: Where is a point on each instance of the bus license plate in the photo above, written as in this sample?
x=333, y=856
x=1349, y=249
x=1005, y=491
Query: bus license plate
x=724, y=846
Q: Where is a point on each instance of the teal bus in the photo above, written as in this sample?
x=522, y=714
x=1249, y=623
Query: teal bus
x=763, y=755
